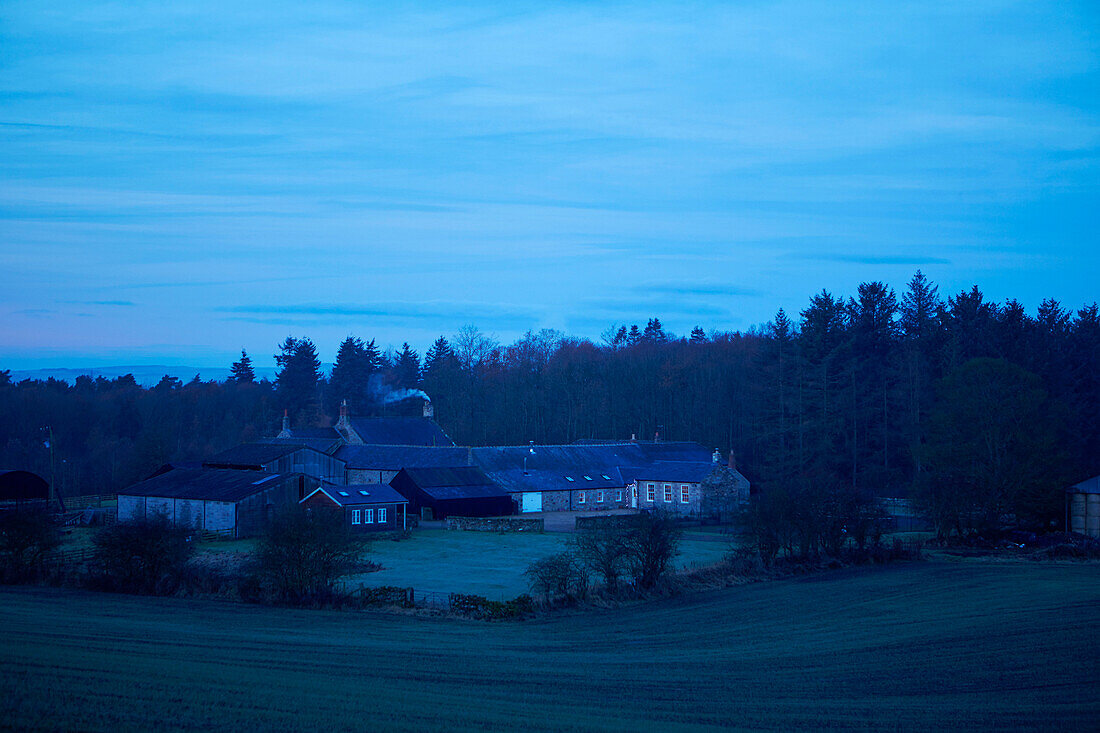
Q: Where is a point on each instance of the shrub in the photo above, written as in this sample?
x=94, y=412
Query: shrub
x=26, y=537
x=303, y=554
x=652, y=541
x=561, y=576
x=603, y=550
x=145, y=556
x=482, y=608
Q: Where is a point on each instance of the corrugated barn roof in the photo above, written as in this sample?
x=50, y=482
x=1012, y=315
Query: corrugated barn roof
x=211, y=484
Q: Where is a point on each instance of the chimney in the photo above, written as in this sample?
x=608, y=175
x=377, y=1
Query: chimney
x=342, y=424
x=657, y=434
x=716, y=457
x=633, y=438
x=429, y=411
x=286, y=425
x=733, y=461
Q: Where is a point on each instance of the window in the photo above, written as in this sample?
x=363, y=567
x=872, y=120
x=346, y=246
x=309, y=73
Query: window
x=362, y=492
x=368, y=517
x=650, y=493
x=382, y=515
x=668, y=493
x=580, y=497
x=342, y=493
x=606, y=477
x=618, y=494
x=587, y=478
x=599, y=497
x=684, y=494
x=355, y=516
x=569, y=479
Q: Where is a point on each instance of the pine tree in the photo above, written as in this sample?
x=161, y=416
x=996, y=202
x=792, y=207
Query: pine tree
x=406, y=367
x=654, y=332
x=241, y=371
x=439, y=358
x=355, y=363
x=698, y=336
x=299, y=377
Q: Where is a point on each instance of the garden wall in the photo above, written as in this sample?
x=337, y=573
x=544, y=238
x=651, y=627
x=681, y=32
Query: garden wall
x=496, y=524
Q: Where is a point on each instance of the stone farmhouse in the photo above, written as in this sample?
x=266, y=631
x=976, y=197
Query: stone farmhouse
x=361, y=457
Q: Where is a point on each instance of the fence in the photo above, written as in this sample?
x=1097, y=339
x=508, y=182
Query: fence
x=73, y=503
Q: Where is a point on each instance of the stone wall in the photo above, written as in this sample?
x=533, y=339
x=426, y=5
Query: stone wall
x=496, y=524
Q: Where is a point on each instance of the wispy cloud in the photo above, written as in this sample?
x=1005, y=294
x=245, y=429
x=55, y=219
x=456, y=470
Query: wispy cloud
x=871, y=259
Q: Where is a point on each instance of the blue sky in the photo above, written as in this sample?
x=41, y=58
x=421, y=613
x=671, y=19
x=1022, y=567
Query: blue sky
x=181, y=182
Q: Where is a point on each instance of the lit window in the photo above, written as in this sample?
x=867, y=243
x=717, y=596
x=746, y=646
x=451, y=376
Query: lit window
x=668, y=493
x=368, y=516
x=580, y=497
x=382, y=516
x=650, y=493
x=355, y=516
x=684, y=494
x=618, y=495
x=599, y=497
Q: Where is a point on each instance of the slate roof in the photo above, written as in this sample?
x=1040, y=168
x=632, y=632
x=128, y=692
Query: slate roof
x=460, y=482
x=328, y=446
x=1088, y=486
x=399, y=431
x=593, y=465
x=396, y=457
x=208, y=484
x=360, y=494
x=252, y=454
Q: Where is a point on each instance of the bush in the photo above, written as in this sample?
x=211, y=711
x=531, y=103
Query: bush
x=26, y=537
x=652, y=541
x=302, y=555
x=558, y=577
x=145, y=556
x=480, y=607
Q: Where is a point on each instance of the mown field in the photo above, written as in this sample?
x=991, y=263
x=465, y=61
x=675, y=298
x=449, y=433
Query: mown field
x=916, y=647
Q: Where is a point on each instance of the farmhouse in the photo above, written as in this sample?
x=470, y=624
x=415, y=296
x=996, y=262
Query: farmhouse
x=1083, y=507
x=365, y=508
x=598, y=475
x=465, y=491
x=232, y=502
x=280, y=458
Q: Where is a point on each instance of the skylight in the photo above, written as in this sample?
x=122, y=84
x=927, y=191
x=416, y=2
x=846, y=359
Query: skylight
x=343, y=493
x=362, y=492
x=606, y=477
x=568, y=478
x=587, y=478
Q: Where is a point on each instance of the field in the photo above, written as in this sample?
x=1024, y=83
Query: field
x=916, y=647
x=488, y=563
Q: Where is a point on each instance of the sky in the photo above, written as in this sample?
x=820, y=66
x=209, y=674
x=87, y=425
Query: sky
x=179, y=181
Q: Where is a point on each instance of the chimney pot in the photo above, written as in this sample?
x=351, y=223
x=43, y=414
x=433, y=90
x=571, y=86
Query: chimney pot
x=733, y=461
x=429, y=411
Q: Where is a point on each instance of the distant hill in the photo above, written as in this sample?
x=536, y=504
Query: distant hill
x=146, y=375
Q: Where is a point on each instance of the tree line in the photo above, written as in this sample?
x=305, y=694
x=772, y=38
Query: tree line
x=977, y=408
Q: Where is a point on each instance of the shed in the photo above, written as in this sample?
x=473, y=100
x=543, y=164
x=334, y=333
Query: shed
x=463, y=491
x=23, y=489
x=234, y=502
x=365, y=507
x=1083, y=507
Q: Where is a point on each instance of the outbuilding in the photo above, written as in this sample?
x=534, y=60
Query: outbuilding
x=461, y=491
x=365, y=507
x=230, y=502
x=1083, y=507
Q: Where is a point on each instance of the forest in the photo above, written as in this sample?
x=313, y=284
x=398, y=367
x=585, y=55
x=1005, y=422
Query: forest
x=975, y=408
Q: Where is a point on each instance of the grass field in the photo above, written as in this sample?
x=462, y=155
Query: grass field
x=912, y=647
x=486, y=563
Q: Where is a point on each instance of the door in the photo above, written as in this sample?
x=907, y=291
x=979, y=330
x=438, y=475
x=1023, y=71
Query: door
x=634, y=496
x=532, y=501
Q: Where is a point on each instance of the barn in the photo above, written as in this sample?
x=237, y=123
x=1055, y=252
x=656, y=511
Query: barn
x=461, y=491
x=1083, y=507
x=365, y=508
x=22, y=490
x=378, y=464
x=282, y=457
x=233, y=502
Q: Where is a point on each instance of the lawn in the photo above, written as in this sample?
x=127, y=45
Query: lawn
x=486, y=563
x=912, y=647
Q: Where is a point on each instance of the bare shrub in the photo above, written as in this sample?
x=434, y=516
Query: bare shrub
x=145, y=556
x=302, y=555
x=26, y=537
x=558, y=577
